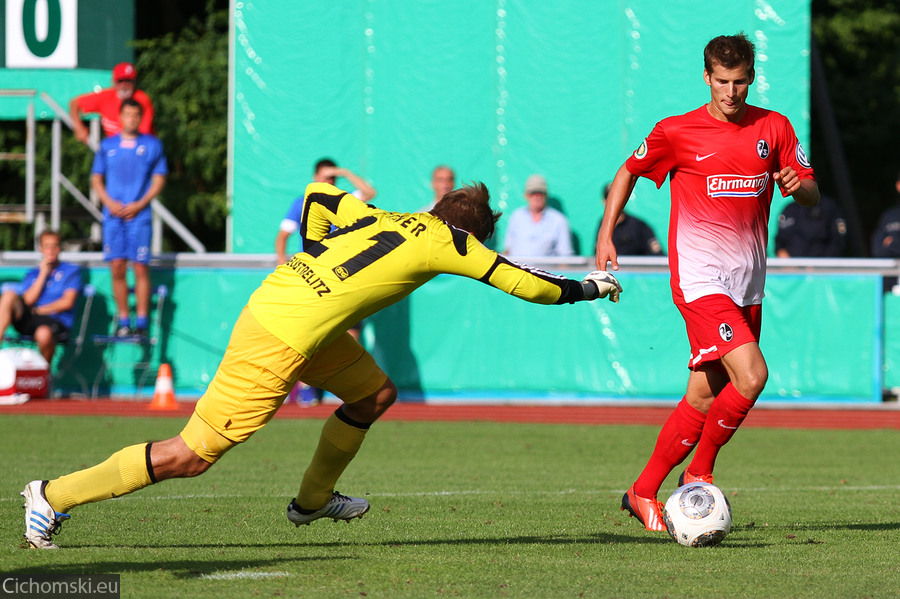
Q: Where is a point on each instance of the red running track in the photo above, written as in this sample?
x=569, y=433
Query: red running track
x=881, y=416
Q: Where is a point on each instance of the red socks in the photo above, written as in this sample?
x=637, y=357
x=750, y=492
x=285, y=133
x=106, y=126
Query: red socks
x=725, y=415
x=675, y=441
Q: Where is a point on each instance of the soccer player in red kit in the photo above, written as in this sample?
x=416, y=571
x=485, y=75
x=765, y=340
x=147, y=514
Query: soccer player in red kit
x=723, y=161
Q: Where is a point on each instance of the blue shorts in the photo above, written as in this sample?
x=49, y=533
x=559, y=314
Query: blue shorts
x=127, y=239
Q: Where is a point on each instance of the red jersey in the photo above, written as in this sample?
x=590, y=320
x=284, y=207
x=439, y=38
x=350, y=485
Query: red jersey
x=721, y=181
x=107, y=103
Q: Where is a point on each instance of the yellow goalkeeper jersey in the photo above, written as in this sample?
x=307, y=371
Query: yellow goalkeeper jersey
x=357, y=259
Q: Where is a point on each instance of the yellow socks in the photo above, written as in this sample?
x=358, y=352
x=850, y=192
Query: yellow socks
x=340, y=440
x=122, y=473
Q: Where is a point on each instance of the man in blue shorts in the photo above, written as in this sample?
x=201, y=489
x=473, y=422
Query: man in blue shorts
x=43, y=304
x=129, y=171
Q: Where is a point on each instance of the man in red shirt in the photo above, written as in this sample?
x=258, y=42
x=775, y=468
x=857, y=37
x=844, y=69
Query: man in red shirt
x=108, y=102
x=723, y=161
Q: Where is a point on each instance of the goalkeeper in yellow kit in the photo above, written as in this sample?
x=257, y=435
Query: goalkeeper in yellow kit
x=356, y=260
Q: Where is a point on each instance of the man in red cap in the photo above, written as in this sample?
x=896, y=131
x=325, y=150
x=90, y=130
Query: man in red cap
x=108, y=103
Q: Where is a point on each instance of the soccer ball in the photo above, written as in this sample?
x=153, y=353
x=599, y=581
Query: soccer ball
x=698, y=515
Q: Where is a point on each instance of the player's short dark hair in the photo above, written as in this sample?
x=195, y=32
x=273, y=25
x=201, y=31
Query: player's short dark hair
x=323, y=163
x=730, y=51
x=469, y=208
x=131, y=102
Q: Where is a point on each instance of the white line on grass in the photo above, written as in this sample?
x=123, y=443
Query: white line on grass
x=243, y=575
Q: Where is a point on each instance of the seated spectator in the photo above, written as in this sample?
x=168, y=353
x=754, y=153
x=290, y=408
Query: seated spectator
x=326, y=171
x=443, y=181
x=43, y=304
x=818, y=231
x=886, y=240
x=108, y=103
x=632, y=236
x=537, y=230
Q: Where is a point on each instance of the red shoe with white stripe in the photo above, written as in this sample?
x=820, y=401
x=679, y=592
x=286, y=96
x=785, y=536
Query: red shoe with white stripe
x=647, y=511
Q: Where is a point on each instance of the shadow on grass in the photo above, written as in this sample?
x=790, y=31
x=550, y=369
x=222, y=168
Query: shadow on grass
x=605, y=539
x=176, y=567
x=825, y=526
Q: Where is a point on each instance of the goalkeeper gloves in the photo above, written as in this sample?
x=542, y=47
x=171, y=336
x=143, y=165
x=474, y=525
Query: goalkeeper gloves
x=599, y=284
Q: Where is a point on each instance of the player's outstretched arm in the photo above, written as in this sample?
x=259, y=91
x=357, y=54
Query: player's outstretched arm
x=619, y=192
x=600, y=284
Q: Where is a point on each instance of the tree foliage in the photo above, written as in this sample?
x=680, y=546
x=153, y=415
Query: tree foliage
x=186, y=75
x=859, y=41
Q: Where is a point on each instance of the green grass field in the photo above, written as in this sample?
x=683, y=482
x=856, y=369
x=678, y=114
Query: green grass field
x=468, y=510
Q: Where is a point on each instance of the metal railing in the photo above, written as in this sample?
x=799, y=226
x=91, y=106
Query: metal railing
x=161, y=214
x=59, y=181
x=28, y=155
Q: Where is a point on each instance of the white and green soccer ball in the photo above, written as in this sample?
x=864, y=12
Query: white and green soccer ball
x=698, y=515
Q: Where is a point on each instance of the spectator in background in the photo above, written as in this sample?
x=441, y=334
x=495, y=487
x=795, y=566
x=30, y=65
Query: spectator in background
x=129, y=171
x=886, y=241
x=443, y=181
x=43, y=304
x=537, y=229
x=818, y=231
x=326, y=171
x=632, y=236
x=108, y=103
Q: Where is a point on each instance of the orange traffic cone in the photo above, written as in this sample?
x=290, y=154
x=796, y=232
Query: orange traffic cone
x=164, y=393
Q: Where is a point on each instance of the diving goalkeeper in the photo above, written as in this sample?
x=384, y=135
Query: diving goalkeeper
x=294, y=328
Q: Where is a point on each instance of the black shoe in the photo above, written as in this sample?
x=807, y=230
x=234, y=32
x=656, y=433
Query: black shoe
x=140, y=332
x=124, y=331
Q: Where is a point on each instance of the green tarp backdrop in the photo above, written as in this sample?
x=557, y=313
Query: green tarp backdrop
x=496, y=89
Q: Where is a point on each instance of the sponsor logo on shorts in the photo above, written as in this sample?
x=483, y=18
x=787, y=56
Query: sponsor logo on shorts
x=641, y=152
x=736, y=186
x=801, y=157
x=762, y=149
x=726, y=332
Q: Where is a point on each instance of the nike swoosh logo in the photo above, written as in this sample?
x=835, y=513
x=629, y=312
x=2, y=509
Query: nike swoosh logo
x=699, y=157
x=686, y=442
x=723, y=425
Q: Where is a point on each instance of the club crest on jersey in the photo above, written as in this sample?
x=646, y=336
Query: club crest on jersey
x=801, y=157
x=762, y=149
x=641, y=152
x=736, y=186
x=725, y=332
